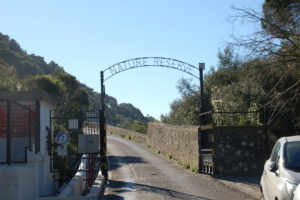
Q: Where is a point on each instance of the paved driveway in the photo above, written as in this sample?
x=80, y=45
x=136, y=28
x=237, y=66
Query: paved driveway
x=138, y=173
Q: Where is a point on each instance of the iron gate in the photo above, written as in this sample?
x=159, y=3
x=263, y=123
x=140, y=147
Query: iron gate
x=206, y=136
x=83, y=149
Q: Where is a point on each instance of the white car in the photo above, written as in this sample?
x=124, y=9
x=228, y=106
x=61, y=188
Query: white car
x=281, y=173
x=297, y=193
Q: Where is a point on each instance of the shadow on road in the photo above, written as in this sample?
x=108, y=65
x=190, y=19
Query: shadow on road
x=117, y=161
x=253, y=181
x=120, y=187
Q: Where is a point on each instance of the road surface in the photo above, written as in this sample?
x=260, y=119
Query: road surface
x=136, y=173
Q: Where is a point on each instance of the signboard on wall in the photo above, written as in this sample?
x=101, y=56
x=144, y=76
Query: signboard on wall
x=73, y=124
x=88, y=143
x=62, y=150
x=62, y=140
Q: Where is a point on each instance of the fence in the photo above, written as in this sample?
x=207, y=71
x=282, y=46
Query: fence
x=75, y=162
x=18, y=131
x=236, y=118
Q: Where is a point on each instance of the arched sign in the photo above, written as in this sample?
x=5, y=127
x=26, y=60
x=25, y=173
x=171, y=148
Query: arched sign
x=150, y=62
x=136, y=63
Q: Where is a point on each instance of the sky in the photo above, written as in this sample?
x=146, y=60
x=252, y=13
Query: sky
x=86, y=37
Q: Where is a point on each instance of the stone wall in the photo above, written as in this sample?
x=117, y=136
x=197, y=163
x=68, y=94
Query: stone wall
x=180, y=142
x=139, y=137
x=240, y=150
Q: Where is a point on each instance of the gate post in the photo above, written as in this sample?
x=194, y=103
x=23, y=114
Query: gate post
x=201, y=110
x=201, y=68
x=102, y=137
x=8, y=132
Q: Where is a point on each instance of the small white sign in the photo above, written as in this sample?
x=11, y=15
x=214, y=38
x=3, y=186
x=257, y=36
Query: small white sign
x=73, y=124
x=88, y=143
x=62, y=150
x=62, y=138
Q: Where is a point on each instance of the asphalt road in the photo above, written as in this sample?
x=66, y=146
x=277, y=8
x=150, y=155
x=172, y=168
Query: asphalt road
x=136, y=173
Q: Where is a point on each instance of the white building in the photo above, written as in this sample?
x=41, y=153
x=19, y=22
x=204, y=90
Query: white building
x=24, y=159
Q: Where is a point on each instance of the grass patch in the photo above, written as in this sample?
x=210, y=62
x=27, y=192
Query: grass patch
x=128, y=137
x=179, y=163
x=195, y=170
x=187, y=166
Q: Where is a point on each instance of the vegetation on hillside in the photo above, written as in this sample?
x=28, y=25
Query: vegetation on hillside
x=266, y=80
x=185, y=110
x=21, y=71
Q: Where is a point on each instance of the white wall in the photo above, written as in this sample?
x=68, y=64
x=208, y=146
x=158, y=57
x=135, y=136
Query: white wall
x=18, y=181
x=45, y=177
x=32, y=179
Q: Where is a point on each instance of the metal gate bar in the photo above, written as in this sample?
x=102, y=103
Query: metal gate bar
x=87, y=164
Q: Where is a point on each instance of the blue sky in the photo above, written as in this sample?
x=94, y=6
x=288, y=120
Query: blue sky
x=86, y=37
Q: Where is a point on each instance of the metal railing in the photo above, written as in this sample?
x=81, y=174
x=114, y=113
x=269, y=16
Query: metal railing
x=85, y=164
x=17, y=131
x=247, y=118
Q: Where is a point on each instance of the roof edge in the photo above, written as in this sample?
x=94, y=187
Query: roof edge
x=28, y=96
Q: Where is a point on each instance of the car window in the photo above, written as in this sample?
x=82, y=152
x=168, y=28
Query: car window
x=292, y=156
x=276, y=153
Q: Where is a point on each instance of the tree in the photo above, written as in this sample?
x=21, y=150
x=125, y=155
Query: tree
x=185, y=110
x=139, y=126
x=22, y=71
x=46, y=83
x=71, y=98
x=231, y=85
x=276, y=49
x=281, y=20
x=232, y=90
x=279, y=34
x=8, y=77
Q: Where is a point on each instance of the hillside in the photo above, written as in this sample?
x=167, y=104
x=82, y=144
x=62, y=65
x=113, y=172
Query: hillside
x=23, y=71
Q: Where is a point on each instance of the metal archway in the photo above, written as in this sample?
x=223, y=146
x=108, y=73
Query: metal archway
x=150, y=62
x=137, y=63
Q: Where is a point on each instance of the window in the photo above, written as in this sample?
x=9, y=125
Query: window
x=276, y=153
x=292, y=156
